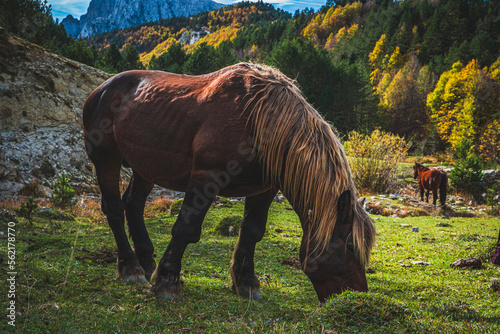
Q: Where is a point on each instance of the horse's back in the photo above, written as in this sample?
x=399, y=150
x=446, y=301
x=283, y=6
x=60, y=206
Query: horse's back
x=431, y=178
x=166, y=125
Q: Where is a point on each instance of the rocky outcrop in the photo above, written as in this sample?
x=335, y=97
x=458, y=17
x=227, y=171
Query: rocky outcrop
x=193, y=36
x=72, y=26
x=106, y=15
x=41, y=101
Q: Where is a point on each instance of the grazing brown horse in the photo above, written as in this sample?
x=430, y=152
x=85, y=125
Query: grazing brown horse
x=431, y=179
x=243, y=131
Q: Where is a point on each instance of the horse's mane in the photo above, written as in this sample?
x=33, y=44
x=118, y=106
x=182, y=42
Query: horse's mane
x=300, y=153
x=422, y=166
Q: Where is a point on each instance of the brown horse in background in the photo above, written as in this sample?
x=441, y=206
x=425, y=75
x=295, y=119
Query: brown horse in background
x=244, y=131
x=431, y=180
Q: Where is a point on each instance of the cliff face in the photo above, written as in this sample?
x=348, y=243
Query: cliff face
x=106, y=15
x=41, y=101
x=72, y=26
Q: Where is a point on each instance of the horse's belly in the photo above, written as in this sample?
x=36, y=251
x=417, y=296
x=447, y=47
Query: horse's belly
x=174, y=171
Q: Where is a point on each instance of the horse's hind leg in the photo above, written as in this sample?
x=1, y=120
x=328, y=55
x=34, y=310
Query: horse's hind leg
x=186, y=230
x=134, y=199
x=434, y=196
x=253, y=227
x=107, y=164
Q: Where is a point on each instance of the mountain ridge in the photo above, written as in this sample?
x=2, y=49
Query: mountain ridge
x=106, y=15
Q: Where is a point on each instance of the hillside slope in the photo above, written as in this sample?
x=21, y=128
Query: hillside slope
x=41, y=101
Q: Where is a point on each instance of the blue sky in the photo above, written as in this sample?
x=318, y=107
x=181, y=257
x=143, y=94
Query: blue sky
x=61, y=8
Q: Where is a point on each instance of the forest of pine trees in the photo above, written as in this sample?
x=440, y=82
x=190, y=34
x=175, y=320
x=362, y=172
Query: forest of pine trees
x=427, y=70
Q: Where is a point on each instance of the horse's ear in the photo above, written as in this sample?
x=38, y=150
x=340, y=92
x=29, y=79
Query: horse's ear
x=344, y=206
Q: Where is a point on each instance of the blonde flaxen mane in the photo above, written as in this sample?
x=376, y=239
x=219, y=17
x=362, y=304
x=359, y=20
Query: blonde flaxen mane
x=300, y=151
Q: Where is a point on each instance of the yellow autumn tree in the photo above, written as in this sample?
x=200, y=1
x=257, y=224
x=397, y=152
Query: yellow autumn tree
x=343, y=35
x=324, y=28
x=313, y=31
x=403, y=102
x=376, y=56
x=396, y=60
x=456, y=102
x=341, y=16
x=489, y=142
x=494, y=70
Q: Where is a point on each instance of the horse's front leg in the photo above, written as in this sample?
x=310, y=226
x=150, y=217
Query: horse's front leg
x=253, y=228
x=421, y=193
x=434, y=196
x=427, y=196
x=186, y=230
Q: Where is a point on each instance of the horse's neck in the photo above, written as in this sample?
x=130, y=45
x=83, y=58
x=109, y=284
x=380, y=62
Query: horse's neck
x=420, y=171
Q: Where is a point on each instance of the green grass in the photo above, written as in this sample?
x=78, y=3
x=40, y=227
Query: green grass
x=66, y=281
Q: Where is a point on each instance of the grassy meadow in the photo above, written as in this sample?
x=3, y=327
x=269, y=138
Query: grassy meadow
x=66, y=279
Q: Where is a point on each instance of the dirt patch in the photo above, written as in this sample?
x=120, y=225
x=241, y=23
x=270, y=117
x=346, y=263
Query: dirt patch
x=292, y=261
x=103, y=257
x=472, y=263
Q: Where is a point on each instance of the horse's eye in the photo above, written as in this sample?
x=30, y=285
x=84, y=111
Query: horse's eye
x=349, y=244
x=350, y=247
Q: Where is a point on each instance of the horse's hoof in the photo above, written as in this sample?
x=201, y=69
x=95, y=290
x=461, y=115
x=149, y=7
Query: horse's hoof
x=169, y=288
x=256, y=295
x=135, y=279
x=170, y=297
x=249, y=293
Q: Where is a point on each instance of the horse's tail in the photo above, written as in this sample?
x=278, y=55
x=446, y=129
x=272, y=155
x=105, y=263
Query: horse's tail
x=100, y=102
x=93, y=102
x=442, y=188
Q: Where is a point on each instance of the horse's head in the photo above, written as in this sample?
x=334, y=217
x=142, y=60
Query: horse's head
x=416, y=168
x=338, y=266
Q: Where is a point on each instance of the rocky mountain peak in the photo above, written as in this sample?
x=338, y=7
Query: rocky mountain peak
x=106, y=15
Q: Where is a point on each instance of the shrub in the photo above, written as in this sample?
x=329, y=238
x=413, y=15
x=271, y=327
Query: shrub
x=63, y=193
x=373, y=160
x=229, y=226
x=222, y=202
x=49, y=213
x=175, y=208
x=32, y=189
x=467, y=173
x=27, y=209
x=492, y=197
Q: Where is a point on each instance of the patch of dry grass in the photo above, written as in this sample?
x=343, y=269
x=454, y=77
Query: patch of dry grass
x=12, y=204
x=161, y=205
x=89, y=207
